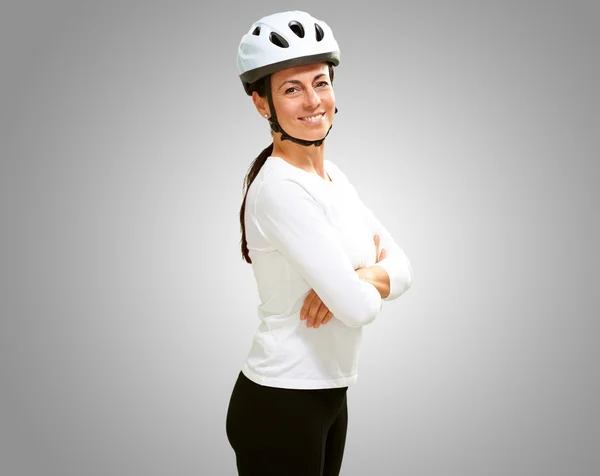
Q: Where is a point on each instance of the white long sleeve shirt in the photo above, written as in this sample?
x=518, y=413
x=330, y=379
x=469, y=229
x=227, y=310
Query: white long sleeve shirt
x=303, y=233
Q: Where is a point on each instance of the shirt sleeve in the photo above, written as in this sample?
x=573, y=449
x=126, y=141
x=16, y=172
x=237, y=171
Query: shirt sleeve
x=396, y=263
x=296, y=224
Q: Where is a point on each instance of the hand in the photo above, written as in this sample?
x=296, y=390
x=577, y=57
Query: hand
x=315, y=311
x=378, y=256
x=365, y=273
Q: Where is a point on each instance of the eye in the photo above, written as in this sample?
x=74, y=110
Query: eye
x=324, y=83
x=290, y=90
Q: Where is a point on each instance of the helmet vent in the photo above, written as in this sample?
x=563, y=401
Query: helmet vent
x=319, y=32
x=278, y=40
x=256, y=31
x=297, y=28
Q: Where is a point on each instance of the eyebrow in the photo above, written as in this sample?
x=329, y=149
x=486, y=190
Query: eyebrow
x=295, y=81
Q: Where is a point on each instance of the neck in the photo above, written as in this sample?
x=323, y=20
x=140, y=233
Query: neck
x=309, y=158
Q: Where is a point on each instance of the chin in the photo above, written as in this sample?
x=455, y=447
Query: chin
x=309, y=133
x=315, y=135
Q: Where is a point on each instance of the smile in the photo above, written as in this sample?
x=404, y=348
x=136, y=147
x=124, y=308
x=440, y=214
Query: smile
x=313, y=119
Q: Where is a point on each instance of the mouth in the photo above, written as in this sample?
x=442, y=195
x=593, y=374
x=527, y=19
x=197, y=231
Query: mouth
x=314, y=118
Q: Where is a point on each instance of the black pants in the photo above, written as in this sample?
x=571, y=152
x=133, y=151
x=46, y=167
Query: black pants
x=287, y=432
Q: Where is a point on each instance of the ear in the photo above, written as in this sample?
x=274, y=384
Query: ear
x=261, y=104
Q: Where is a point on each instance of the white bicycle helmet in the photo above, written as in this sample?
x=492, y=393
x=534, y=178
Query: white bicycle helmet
x=284, y=40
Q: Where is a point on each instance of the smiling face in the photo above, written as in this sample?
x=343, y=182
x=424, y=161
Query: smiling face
x=304, y=100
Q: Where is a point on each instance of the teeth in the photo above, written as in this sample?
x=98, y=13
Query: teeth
x=312, y=118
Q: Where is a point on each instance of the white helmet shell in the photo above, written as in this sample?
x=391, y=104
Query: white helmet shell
x=283, y=40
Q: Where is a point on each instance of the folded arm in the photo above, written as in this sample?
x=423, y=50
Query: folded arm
x=378, y=277
x=296, y=224
x=396, y=263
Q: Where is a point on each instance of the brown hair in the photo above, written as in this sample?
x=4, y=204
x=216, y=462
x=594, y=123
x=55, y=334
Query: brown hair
x=260, y=87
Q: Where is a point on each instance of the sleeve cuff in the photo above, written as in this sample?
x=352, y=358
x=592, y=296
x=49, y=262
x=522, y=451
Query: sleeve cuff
x=400, y=275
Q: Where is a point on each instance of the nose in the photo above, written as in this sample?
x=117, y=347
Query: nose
x=311, y=98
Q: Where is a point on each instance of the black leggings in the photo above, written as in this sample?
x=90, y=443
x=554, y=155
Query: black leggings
x=287, y=432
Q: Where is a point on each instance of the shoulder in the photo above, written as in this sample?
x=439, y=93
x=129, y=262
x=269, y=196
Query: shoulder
x=281, y=180
x=279, y=190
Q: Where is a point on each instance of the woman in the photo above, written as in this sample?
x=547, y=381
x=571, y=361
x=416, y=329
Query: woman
x=310, y=241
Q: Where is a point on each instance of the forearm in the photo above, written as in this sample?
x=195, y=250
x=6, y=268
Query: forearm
x=376, y=276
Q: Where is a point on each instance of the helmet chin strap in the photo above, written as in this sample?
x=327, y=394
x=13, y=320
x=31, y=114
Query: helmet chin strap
x=276, y=127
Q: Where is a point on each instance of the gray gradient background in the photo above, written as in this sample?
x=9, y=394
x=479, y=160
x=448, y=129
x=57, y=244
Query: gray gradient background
x=470, y=128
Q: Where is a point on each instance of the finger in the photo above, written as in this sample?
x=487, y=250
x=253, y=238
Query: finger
x=328, y=317
x=313, y=312
x=321, y=315
x=307, y=302
x=305, y=305
x=382, y=255
x=376, y=239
